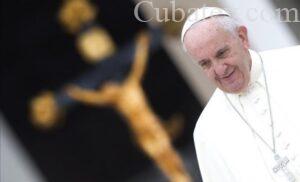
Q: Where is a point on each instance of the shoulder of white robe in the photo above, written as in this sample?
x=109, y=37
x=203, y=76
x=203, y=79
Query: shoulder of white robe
x=286, y=50
x=208, y=117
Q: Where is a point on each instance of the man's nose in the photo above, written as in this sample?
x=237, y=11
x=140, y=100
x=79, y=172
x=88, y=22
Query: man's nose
x=220, y=69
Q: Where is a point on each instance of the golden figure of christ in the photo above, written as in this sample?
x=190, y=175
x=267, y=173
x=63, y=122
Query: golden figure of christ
x=129, y=99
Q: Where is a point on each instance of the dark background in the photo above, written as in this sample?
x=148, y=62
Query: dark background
x=94, y=144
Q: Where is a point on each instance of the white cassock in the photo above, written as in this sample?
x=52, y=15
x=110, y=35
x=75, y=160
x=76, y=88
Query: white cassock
x=228, y=150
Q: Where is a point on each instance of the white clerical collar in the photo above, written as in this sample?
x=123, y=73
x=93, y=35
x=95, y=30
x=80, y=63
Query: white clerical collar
x=256, y=69
x=255, y=72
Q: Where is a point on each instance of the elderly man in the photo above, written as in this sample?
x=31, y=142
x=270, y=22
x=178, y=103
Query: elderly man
x=250, y=129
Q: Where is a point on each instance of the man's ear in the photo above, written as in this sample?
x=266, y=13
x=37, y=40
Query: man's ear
x=243, y=35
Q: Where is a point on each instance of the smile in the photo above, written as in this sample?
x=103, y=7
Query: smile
x=229, y=77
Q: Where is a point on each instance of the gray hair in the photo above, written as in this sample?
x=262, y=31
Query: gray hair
x=228, y=23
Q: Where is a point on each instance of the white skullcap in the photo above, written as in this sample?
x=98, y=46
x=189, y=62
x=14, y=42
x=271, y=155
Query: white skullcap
x=198, y=15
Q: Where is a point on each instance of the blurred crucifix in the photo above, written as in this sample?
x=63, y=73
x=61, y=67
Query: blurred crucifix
x=129, y=99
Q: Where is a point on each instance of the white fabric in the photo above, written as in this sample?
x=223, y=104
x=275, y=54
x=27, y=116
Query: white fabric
x=227, y=150
x=200, y=14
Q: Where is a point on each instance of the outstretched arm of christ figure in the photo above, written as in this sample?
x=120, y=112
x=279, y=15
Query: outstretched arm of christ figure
x=104, y=96
x=140, y=57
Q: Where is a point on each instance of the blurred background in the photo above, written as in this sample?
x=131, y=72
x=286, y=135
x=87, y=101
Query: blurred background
x=51, y=49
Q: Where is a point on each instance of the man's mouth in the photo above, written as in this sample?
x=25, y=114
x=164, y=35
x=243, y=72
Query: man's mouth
x=228, y=77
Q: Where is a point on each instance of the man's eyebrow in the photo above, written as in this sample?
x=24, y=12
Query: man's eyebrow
x=222, y=50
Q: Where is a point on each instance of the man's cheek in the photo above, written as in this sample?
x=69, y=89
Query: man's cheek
x=207, y=73
x=211, y=77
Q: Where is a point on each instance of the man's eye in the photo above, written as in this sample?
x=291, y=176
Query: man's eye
x=204, y=64
x=223, y=54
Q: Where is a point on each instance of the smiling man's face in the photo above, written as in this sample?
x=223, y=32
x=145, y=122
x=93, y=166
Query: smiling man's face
x=223, y=56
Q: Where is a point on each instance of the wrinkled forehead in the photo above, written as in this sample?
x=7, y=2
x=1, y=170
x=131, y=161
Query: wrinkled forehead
x=205, y=36
x=203, y=26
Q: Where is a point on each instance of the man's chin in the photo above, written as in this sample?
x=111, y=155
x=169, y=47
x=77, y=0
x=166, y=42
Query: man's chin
x=233, y=89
